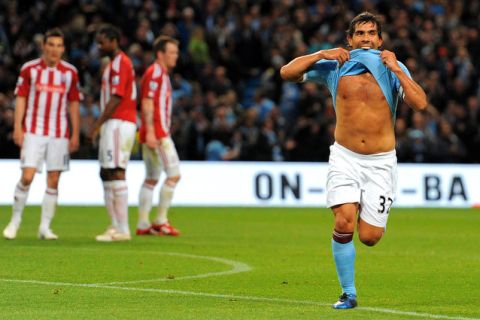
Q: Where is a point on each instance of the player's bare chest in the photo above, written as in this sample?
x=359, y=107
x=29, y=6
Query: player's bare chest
x=362, y=86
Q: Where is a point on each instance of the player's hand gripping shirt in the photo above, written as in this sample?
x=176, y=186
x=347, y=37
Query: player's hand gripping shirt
x=47, y=90
x=328, y=72
x=119, y=79
x=156, y=86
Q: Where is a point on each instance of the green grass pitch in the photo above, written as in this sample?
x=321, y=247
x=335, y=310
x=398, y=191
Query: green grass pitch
x=240, y=263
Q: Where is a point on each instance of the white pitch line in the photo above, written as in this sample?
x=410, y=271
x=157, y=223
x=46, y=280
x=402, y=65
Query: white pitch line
x=235, y=297
x=237, y=267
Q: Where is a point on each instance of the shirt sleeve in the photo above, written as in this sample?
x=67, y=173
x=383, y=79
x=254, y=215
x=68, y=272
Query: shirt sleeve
x=396, y=82
x=74, y=92
x=23, y=83
x=119, y=79
x=321, y=71
x=150, y=85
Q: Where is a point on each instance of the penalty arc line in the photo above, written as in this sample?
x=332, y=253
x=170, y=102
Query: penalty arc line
x=237, y=267
x=237, y=297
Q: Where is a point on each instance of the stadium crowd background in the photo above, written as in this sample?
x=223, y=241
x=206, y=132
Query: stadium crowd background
x=230, y=103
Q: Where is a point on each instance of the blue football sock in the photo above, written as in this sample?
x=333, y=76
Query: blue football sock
x=344, y=255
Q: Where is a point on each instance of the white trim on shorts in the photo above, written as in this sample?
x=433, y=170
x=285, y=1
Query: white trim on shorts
x=163, y=158
x=363, y=179
x=38, y=149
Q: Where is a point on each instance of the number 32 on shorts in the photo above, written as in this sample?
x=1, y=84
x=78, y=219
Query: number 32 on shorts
x=385, y=204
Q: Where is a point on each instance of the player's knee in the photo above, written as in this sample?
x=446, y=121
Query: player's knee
x=104, y=174
x=118, y=174
x=151, y=182
x=343, y=224
x=27, y=180
x=52, y=183
x=173, y=180
x=112, y=174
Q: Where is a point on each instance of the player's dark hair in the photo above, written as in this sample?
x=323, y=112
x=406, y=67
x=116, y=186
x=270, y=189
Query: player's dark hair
x=54, y=32
x=362, y=18
x=160, y=43
x=110, y=32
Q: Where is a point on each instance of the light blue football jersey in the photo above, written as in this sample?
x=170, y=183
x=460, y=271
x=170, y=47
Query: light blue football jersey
x=328, y=72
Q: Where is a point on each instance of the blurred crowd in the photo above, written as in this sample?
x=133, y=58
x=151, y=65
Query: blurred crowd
x=229, y=100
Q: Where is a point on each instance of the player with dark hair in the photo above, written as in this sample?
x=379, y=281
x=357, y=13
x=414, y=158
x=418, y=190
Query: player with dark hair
x=42, y=129
x=365, y=84
x=117, y=127
x=158, y=149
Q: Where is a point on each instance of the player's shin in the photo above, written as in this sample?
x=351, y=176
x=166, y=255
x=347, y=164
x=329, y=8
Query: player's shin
x=49, y=205
x=344, y=256
x=109, y=202
x=166, y=195
x=20, y=198
x=144, y=206
x=120, y=193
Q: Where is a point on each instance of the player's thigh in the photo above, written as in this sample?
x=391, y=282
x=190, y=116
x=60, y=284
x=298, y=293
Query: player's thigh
x=152, y=161
x=343, y=182
x=116, y=141
x=378, y=192
x=57, y=156
x=33, y=152
x=169, y=157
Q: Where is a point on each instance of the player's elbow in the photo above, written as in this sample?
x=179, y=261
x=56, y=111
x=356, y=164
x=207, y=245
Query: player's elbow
x=284, y=73
x=419, y=103
x=422, y=102
x=287, y=74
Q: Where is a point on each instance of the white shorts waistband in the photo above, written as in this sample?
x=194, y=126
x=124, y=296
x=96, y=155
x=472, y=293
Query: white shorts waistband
x=373, y=156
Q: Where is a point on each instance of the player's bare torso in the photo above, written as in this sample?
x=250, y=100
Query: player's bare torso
x=364, y=120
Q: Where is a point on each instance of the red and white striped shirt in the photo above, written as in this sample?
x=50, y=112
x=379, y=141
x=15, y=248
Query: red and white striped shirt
x=47, y=90
x=156, y=86
x=119, y=79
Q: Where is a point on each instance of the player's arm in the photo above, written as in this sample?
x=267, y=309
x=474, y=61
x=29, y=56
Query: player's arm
x=414, y=95
x=20, y=105
x=147, y=110
x=75, y=120
x=295, y=69
x=106, y=114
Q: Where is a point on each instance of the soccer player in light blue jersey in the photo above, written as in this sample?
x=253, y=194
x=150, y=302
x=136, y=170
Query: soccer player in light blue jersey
x=365, y=84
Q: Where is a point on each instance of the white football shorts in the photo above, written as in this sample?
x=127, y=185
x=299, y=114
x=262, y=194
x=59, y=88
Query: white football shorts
x=163, y=158
x=370, y=180
x=116, y=142
x=37, y=149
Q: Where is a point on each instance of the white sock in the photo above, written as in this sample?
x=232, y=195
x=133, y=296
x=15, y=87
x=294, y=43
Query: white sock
x=49, y=205
x=20, y=198
x=166, y=195
x=120, y=194
x=144, y=206
x=109, y=202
